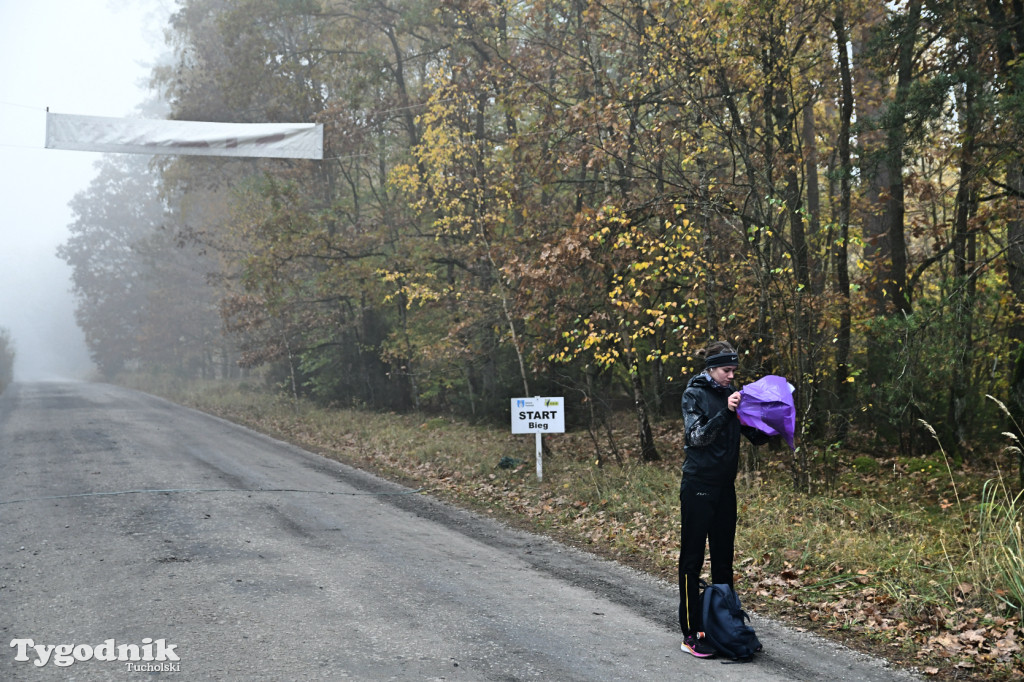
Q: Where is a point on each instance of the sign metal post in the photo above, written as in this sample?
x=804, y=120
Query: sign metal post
x=540, y=456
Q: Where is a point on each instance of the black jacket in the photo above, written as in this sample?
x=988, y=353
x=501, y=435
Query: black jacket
x=712, y=433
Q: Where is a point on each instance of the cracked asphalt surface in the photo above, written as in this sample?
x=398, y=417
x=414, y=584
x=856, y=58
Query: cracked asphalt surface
x=129, y=518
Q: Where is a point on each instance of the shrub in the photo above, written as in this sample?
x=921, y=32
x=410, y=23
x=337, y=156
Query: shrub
x=865, y=465
x=925, y=465
x=6, y=359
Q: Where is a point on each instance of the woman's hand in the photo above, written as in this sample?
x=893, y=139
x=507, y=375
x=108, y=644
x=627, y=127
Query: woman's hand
x=734, y=401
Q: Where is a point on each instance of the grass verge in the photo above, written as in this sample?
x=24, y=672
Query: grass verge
x=913, y=560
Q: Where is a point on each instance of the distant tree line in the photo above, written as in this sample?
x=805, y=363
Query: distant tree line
x=569, y=197
x=142, y=300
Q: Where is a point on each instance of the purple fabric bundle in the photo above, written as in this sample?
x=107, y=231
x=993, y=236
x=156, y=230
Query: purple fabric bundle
x=767, y=405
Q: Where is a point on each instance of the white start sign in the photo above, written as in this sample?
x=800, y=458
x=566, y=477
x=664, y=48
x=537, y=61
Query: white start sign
x=538, y=415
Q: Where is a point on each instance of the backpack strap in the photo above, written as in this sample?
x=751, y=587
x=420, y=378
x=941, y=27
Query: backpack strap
x=706, y=596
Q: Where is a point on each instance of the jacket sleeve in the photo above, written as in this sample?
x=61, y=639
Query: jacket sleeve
x=701, y=429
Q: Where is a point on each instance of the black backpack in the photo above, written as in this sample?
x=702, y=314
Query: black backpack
x=725, y=624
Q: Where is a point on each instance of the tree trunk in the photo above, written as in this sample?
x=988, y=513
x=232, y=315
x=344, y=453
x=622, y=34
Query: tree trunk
x=960, y=395
x=1009, y=44
x=648, y=451
x=881, y=143
x=840, y=254
x=897, y=140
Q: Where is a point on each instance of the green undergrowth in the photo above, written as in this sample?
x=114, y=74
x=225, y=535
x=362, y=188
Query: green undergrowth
x=919, y=562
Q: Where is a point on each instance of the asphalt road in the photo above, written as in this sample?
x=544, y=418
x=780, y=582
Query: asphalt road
x=132, y=525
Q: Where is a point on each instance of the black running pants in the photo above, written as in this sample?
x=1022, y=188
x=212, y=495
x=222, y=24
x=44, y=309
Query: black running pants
x=708, y=520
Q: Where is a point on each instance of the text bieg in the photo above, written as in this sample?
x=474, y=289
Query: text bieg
x=63, y=655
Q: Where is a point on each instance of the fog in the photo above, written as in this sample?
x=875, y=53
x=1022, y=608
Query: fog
x=76, y=57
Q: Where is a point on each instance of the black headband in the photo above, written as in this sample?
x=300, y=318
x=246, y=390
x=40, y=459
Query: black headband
x=721, y=360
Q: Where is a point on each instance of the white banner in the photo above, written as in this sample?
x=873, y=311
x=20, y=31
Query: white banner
x=153, y=136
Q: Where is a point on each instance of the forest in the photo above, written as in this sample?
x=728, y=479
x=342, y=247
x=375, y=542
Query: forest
x=572, y=197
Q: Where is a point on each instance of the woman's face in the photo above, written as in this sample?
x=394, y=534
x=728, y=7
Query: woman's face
x=722, y=375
